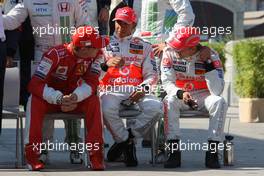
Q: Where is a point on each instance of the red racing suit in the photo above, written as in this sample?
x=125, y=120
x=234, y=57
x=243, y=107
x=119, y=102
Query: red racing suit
x=60, y=73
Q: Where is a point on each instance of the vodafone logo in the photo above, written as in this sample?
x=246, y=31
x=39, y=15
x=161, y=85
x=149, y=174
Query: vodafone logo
x=188, y=86
x=124, y=71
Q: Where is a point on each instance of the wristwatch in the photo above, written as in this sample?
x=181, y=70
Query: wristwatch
x=59, y=100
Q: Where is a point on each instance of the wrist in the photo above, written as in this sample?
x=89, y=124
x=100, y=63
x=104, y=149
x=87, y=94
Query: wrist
x=179, y=94
x=107, y=7
x=104, y=66
x=59, y=100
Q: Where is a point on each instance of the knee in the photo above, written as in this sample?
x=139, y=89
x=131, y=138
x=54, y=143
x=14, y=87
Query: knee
x=172, y=102
x=217, y=101
x=108, y=106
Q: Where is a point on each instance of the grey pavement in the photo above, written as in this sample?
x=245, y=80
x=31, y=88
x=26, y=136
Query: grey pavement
x=249, y=156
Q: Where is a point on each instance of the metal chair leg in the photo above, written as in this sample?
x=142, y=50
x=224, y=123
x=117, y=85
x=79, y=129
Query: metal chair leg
x=153, y=145
x=17, y=142
x=22, y=141
x=86, y=162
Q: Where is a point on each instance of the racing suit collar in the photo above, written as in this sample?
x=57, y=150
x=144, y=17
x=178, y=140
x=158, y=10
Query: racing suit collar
x=191, y=58
x=124, y=38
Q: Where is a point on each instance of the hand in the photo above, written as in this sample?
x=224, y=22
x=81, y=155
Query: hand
x=188, y=100
x=158, y=49
x=205, y=53
x=69, y=99
x=186, y=97
x=116, y=61
x=103, y=15
x=9, y=62
x=68, y=108
x=136, y=96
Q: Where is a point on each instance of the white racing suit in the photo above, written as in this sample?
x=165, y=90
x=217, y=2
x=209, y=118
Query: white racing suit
x=47, y=16
x=53, y=22
x=205, y=86
x=163, y=16
x=117, y=84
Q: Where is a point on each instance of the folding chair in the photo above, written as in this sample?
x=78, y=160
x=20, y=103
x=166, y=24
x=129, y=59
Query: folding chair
x=11, y=105
x=69, y=116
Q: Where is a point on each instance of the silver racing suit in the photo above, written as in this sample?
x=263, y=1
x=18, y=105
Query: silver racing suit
x=205, y=85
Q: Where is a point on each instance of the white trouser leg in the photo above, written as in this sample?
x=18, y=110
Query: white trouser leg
x=151, y=111
x=172, y=108
x=217, y=109
x=110, y=108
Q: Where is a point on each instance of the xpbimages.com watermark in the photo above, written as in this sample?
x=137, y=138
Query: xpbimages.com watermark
x=212, y=31
x=196, y=146
x=82, y=147
x=60, y=30
x=62, y=146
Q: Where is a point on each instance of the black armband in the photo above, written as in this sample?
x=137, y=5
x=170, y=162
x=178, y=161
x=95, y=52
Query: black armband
x=179, y=94
x=208, y=66
x=104, y=67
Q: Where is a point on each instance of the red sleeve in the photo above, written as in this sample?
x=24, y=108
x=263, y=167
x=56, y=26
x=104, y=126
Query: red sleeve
x=41, y=76
x=92, y=75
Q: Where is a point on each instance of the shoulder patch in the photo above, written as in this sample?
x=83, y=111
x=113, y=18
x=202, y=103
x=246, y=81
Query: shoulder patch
x=43, y=68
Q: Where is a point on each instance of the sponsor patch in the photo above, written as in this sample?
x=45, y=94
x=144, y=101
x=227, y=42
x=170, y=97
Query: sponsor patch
x=95, y=68
x=179, y=62
x=179, y=68
x=165, y=69
x=166, y=62
x=217, y=64
x=200, y=66
x=80, y=69
x=220, y=73
x=41, y=9
x=200, y=72
x=43, y=68
x=135, y=51
x=200, y=69
x=154, y=64
x=137, y=47
x=64, y=7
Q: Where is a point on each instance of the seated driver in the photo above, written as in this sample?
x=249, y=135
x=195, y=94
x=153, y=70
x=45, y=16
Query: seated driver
x=66, y=80
x=130, y=74
x=191, y=83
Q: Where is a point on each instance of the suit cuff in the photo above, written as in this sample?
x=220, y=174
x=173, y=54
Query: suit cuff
x=179, y=94
x=83, y=92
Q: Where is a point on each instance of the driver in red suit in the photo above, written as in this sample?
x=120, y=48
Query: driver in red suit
x=66, y=80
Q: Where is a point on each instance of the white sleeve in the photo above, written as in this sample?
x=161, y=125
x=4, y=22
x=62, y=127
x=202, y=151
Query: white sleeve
x=83, y=91
x=215, y=78
x=149, y=70
x=2, y=33
x=15, y=17
x=51, y=95
x=168, y=76
x=185, y=12
x=81, y=16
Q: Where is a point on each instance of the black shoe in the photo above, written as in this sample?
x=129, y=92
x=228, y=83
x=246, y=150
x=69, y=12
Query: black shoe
x=211, y=160
x=211, y=156
x=130, y=151
x=115, y=151
x=146, y=143
x=173, y=156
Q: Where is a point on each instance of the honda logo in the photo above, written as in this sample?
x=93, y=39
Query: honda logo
x=64, y=7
